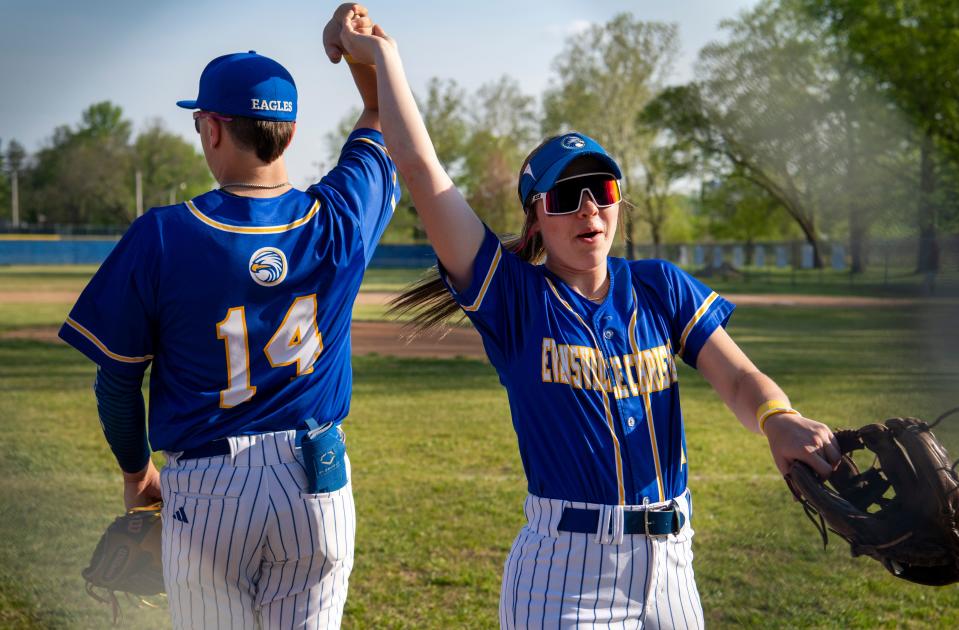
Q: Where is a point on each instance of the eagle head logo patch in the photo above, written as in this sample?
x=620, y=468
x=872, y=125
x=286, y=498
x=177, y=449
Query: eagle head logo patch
x=573, y=142
x=268, y=266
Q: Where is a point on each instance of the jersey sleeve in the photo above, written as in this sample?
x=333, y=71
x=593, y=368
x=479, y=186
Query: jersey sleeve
x=696, y=311
x=364, y=185
x=497, y=299
x=112, y=322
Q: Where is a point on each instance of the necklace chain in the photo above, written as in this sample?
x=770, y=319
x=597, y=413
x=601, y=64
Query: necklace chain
x=259, y=186
x=600, y=295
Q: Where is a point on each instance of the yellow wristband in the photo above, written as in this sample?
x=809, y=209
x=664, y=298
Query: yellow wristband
x=771, y=408
x=349, y=58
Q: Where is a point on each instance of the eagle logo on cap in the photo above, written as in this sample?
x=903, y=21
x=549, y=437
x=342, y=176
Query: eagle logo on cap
x=573, y=142
x=268, y=266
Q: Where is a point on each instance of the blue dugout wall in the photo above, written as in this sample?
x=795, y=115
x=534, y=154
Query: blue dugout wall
x=55, y=250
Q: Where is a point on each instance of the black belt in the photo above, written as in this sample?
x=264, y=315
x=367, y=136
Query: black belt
x=210, y=449
x=647, y=522
x=218, y=447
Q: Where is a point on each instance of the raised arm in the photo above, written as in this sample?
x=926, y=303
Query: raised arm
x=364, y=75
x=745, y=389
x=453, y=228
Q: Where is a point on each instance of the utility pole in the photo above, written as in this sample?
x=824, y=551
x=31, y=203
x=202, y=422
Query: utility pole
x=173, y=190
x=15, y=199
x=139, y=193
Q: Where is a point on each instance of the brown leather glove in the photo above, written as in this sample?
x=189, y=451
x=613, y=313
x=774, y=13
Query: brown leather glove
x=127, y=558
x=903, y=510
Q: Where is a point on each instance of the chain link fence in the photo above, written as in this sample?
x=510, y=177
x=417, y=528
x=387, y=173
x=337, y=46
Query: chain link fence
x=889, y=265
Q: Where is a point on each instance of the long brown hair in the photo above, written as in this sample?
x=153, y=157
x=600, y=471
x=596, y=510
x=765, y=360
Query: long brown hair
x=428, y=301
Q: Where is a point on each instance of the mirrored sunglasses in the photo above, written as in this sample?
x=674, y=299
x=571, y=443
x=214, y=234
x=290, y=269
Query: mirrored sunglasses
x=567, y=193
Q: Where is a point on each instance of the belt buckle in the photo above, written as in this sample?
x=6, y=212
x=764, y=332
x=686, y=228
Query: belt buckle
x=646, y=527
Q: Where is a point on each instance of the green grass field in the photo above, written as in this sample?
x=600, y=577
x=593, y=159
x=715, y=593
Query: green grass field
x=439, y=486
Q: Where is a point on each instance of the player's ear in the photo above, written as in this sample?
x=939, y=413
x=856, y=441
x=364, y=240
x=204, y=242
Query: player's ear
x=534, y=226
x=216, y=131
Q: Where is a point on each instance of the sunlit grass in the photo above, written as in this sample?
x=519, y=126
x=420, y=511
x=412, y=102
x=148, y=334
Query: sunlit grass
x=439, y=485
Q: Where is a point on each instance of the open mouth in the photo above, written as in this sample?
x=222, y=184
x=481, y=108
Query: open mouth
x=589, y=236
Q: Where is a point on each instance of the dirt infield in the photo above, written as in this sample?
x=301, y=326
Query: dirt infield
x=384, y=338
x=381, y=298
x=387, y=338
x=38, y=297
x=390, y=338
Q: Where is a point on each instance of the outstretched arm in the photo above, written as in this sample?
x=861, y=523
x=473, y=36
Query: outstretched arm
x=364, y=75
x=451, y=225
x=744, y=389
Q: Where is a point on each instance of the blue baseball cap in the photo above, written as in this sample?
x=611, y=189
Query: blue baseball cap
x=552, y=158
x=246, y=84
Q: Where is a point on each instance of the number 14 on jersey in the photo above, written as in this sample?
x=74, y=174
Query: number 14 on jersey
x=296, y=341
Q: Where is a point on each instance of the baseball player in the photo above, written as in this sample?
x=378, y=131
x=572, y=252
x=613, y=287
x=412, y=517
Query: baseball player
x=240, y=300
x=585, y=345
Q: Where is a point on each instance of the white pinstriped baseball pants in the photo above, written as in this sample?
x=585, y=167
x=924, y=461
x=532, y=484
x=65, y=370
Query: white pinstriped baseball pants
x=555, y=579
x=244, y=547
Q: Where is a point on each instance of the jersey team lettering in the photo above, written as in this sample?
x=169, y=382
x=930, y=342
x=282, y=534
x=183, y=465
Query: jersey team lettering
x=271, y=106
x=582, y=367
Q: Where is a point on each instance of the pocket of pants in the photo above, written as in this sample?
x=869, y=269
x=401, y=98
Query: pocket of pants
x=207, y=482
x=192, y=525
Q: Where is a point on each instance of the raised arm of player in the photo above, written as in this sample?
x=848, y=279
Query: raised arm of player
x=744, y=388
x=453, y=228
x=364, y=75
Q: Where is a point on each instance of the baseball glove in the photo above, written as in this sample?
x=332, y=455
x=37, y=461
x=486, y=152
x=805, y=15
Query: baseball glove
x=127, y=558
x=902, y=510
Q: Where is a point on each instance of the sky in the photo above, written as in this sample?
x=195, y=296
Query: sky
x=59, y=57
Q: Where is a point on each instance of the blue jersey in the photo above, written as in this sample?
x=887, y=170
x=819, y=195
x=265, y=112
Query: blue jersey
x=593, y=388
x=242, y=305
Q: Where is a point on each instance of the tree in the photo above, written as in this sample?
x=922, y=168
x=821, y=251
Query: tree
x=686, y=114
x=605, y=77
x=768, y=90
x=104, y=122
x=445, y=117
x=736, y=208
x=170, y=167
x=910, y=47
x=502, y=110
x=502, y=128
x=84, y=176
x=481, y=146
x=489, y=181
x=662, y=166
x=775, y=103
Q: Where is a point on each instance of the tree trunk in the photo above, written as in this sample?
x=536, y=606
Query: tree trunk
x=628, y=235
x=857, y=215
x=928, y=261
x=809, y=231
x=626, y=216
x=655, y=230
x=857, y=237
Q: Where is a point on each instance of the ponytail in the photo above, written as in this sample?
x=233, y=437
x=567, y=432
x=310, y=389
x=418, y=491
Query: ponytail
x=429, y=303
